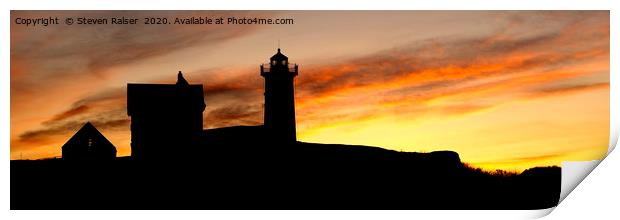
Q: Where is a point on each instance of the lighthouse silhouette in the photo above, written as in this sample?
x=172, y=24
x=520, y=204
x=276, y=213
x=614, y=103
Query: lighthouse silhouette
x=279, y=118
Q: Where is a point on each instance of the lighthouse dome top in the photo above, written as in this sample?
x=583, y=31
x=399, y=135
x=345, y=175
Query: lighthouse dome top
x=279, y=56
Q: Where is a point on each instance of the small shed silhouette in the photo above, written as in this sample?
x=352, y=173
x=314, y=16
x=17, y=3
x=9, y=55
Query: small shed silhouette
x=88, y=144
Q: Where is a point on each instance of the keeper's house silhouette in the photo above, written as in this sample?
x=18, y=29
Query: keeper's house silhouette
x=164, y=115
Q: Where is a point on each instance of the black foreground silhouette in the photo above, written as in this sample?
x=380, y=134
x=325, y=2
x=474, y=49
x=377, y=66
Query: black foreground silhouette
x=176, y=165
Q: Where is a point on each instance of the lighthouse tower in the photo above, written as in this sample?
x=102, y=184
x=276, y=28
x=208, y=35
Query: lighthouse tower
x=279, y=98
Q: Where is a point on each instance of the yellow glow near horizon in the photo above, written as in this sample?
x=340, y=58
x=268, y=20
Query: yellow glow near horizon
x=521, y=134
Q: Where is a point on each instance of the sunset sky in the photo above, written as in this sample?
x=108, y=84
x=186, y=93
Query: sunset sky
x=505, y=89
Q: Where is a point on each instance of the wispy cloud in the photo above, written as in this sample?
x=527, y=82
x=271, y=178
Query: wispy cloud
x=52, y=131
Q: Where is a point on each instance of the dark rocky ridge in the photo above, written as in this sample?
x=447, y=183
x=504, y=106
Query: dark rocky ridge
x=238, y=168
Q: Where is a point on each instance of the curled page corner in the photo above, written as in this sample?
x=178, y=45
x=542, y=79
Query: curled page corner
x=540, y=213
x=573, y=172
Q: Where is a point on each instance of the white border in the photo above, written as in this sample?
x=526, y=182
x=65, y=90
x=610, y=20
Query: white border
x=288, y=5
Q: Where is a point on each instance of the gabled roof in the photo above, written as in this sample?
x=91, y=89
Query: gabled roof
x=88, y=133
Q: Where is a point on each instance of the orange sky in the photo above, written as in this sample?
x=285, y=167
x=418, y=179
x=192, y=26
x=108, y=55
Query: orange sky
x=505, y=89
